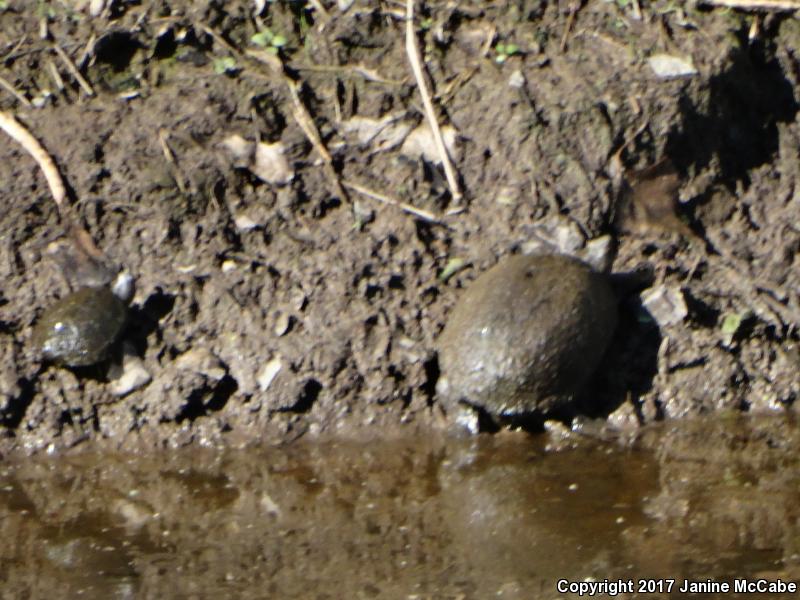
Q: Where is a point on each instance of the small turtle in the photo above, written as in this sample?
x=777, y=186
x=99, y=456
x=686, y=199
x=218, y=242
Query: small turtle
x=80, y=329
x=526, y=335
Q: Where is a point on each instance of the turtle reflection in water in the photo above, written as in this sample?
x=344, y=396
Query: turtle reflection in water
x=526, y=335
x=80, y=329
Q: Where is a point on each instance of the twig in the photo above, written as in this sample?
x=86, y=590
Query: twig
x=368, y=74
x=755, y=4
x=55, y=75
x=163, y=136
x=304, y=119
x=617, y=155
x=320, y=9
x=88, y=50
x=299, y=111
x=637, y=10
x=218, y=38
x=310, y=129
x=573, y=8
x=23, y=137
x=418, y=212
x=567, y=29
x=487, y=45
x=15, y=92
x=10, y=54
x=87, y=89
x=416, y=67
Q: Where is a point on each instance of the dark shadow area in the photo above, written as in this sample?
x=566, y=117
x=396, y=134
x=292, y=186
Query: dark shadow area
x=432, y=374
x=306, y=398
x=143, y=320
x=738, y=126
x=116, y=49
x=166, y=45
x=629, y=367
x=13, y=412
x=203, y=401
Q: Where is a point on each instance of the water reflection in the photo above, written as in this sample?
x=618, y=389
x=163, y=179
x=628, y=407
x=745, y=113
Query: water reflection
x=427, y=517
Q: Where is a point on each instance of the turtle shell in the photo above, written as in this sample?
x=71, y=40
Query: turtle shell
x=80, y=329
x=526, y=335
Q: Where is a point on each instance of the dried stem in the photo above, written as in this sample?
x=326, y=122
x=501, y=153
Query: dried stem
x=15, y=92
x=417, y=212
x=81, y=238
x=306, y=123
x=23, y=137
x=85, y=86
x=430, y=114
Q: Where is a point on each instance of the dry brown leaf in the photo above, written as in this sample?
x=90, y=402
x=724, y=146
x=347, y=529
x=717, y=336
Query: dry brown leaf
x=648, y=202
x=421, y=143
x=266, y=161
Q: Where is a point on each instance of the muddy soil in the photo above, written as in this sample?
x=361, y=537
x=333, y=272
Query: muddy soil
x=273, y=304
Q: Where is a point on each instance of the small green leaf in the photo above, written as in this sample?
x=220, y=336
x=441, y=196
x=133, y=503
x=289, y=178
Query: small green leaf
x=731, y=323
x=511, y=49
x=224, y=64
x=500, y=48
x=262, y=38
x=279, y=41
x=453, y=266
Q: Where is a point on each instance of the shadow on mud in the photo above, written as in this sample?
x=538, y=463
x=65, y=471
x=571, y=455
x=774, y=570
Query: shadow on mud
x=737, y=123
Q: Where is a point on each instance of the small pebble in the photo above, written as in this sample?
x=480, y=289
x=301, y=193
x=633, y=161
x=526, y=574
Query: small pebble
x=133, y=376
x=268, y=373
x=666, y=305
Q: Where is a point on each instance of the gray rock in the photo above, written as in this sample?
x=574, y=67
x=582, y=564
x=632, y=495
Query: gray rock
x=130, y=375
x=666, y=305
x=526, y=335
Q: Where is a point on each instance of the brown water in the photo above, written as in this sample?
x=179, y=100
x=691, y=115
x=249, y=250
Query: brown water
x=500, y=517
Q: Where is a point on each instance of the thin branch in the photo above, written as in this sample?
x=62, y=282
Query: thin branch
x=306, y=123
x=55, y=75
x=15, y=92
x=23, y=137
x=304, y=119
x=163, y=140
x=368, y=74
x=430, y=114
x=85, y=86
x=417, y=212
x=320, y=9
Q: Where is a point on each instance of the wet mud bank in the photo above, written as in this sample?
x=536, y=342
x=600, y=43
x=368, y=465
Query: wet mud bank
x=272, y=305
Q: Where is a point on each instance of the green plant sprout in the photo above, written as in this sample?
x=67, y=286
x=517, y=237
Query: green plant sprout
x=504, y=50
x=273, y=42
x=731, y=325
x=225, y=65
